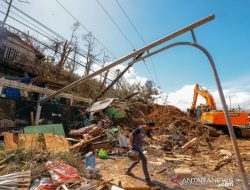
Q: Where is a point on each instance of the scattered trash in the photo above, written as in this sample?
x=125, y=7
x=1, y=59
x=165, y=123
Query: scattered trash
x=61, y=172
x=44, y=184
x=90, y=160
x=103, y=154
x=92, y=173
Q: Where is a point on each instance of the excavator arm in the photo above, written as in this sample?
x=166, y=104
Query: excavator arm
x=206, y=95
x=210, y=103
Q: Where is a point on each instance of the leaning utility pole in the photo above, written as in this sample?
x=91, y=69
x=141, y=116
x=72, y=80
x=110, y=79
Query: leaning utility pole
x=7, y=13
x=113, y=82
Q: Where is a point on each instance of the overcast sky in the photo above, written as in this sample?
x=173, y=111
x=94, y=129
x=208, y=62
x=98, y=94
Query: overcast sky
x=176, y=70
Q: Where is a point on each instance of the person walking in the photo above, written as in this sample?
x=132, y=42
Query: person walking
x=136, y=142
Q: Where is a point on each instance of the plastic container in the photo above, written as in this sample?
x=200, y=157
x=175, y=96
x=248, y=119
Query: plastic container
x=90, y=160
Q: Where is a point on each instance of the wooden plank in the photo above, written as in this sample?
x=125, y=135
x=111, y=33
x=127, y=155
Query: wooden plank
x=105, y=145
x=10, y=141
x=20, y=180
x=83, y=142
x=32, y=88
x=56, y=143
x=31, y=141
x=189, y=144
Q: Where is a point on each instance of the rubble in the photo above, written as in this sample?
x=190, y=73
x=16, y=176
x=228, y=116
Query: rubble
x=181, y=150
x=175, y=128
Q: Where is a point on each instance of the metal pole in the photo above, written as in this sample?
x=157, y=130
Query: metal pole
x=112, y=83
x=131, y=55
x=223, y=102
x=229, y=124
x=38, y=113
x=7, y=13
x=230, y=103
x=39, y=108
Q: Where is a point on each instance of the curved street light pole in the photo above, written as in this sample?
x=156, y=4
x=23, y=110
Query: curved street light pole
x=222, y=99
x=229, y=124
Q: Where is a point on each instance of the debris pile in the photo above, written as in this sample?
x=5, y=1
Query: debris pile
x=165, y=115
x=80, y=159
x=175, y=128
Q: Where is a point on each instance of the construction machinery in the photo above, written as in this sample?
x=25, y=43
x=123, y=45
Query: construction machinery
x=209, y=115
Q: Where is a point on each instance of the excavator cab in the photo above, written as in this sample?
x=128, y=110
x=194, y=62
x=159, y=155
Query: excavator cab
x=200, y=110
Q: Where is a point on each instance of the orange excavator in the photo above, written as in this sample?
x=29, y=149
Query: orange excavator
x=209, y=115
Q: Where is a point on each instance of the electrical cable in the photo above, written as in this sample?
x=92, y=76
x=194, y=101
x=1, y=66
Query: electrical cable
x=30, y=23
x=86, y=29
x=44, y=44
x=136, y=30
x=41, y=24
x=117, y=26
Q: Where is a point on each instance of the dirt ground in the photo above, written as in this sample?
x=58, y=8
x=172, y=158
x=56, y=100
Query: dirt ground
x=201, y=163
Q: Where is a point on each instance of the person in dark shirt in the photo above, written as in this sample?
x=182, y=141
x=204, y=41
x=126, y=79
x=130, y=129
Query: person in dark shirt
x=136, y=142
x=26, y=79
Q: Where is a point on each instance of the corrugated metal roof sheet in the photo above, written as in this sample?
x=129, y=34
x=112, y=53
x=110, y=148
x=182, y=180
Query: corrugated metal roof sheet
x=100, y=105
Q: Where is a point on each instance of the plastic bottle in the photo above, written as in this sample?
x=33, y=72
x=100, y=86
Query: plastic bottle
x=90, y=160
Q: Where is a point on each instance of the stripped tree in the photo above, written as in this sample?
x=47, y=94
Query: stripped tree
x=90, y=43
x=105, y=60
x=67, y=47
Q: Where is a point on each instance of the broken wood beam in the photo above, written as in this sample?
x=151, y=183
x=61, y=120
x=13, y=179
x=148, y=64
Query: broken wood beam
x=46, y=91
x=189, y=143
x=83, y=142
x=73, y=140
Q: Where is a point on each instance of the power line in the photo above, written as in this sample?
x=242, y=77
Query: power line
x=44, y=44
x=54, y=39
x=151, y=59
x=123, y=34
x=136, y=30
x=27, y=26
x=130, y=21
x=36, y=21
x=117, y=26
x=87, y=31
x=46, y=33
x=85, y=28
x=95, y=59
